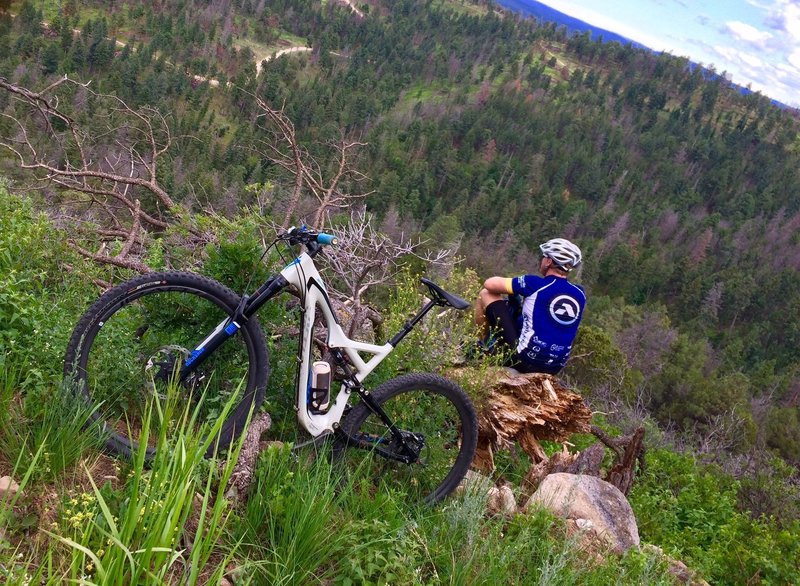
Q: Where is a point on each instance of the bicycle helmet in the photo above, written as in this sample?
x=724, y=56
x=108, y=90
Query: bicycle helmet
x=564, y=253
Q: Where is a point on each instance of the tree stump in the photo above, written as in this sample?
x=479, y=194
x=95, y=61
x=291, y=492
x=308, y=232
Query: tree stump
x=528, y=408
x=522, y=408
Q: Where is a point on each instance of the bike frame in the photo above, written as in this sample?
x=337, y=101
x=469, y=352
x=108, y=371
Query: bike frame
x=302, y=273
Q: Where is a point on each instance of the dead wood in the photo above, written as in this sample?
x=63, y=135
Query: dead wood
x=587, y=462
x=242, y=474
x=629, y=451
x=524, y=409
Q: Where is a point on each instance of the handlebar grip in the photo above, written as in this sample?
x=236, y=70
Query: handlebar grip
x=323, y=238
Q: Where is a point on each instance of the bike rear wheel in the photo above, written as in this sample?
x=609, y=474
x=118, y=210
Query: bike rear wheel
x=436, y=418
x=131, y=343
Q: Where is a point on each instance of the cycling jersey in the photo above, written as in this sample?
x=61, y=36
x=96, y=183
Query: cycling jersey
x=552, y=309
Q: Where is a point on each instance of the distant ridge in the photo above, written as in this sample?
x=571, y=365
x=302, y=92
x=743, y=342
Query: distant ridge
x=545, y=13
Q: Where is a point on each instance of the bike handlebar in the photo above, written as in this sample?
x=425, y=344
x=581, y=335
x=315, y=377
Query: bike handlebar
x=310, y=238
x=324, y=238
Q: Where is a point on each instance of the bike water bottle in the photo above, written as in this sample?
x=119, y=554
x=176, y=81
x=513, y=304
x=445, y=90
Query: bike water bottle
x=320, y=386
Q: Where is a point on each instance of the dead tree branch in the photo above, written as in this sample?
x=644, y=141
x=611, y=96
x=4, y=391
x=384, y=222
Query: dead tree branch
x=111, y=160
x=326, y=183
x=365, y=258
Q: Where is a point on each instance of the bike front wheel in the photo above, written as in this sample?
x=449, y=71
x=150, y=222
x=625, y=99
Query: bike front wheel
x=129, y=347
x=437, y=421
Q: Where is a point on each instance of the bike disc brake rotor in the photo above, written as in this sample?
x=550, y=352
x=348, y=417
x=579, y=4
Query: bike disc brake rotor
x=164, y=366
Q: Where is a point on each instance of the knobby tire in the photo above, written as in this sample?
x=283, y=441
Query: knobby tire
x=130, y=343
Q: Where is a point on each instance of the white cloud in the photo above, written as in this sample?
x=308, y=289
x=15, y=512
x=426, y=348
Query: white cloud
x=744, y=61
x=784, y=16
x=791, y=20
x=748, y=33
x=794, y=60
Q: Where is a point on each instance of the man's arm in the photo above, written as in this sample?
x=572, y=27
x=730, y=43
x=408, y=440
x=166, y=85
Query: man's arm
x=498, y=285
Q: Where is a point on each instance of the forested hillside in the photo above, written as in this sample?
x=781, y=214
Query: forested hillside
x=473, y=128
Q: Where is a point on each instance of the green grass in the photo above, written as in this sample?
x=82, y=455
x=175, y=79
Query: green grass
x=462, y=7
x=263, y=51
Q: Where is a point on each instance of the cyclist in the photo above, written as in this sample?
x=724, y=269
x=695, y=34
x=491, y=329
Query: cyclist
x=540, y=332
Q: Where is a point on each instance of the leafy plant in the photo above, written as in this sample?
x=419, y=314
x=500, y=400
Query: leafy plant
x=288, y=526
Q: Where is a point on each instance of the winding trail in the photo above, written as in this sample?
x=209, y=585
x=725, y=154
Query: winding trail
x=277, y=54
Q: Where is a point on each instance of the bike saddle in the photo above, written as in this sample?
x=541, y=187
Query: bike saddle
x=442, y=297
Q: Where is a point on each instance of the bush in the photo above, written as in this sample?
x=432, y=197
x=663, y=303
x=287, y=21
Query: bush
x=691, y=511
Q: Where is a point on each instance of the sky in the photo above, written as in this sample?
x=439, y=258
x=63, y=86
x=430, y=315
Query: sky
x=757, y=42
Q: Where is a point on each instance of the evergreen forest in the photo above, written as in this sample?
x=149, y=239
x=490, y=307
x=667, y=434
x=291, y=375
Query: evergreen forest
x=463, y=127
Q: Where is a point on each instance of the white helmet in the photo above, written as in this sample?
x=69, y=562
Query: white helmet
x=563, y=252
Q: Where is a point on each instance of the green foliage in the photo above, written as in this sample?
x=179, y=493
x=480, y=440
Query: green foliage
x=769, y=489
x=133, y=534
x=676, y=187
x=287, y=524
x=435, y=342
x=378, y=553
x=691, y=512
x=783, y=432
x=58, y=427
x=598, y=362
x=36, y=311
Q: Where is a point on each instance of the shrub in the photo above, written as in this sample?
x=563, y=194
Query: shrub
x=691, y=511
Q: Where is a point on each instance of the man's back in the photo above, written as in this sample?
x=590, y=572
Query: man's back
x=551, y=313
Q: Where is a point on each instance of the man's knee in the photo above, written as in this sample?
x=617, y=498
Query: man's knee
x=486, y=298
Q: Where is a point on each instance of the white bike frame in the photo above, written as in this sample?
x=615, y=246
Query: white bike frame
x=303, y=274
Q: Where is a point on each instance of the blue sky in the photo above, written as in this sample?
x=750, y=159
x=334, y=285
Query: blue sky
x=757, y=42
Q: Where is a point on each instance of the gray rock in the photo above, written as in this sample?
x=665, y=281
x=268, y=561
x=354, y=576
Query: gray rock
x=600, y=506
x=499, y=499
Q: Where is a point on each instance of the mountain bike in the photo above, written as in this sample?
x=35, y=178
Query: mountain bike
x=186, y=330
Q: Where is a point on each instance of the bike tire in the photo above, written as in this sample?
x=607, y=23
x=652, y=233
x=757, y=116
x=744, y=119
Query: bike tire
x=134, y=338
x=422, y=403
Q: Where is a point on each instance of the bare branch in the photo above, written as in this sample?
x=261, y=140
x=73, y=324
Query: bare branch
x=111, y=163
x=146, y=122
x=284, y=150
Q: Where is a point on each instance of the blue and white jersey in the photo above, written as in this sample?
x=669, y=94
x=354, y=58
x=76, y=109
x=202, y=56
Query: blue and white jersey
x=552, y=309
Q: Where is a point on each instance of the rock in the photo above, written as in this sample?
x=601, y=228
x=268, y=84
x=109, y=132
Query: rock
x=474, y=483
x=682, y=573
x=8, y=488
x=595, y=502
x=499, y=499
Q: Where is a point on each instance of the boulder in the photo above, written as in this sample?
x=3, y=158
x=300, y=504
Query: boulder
x=8, y=488
x=601, y=507
x=680, y=571
x=501, y=501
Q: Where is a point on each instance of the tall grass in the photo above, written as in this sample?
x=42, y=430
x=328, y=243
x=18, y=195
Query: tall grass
x=58, y=428
x=166, y=524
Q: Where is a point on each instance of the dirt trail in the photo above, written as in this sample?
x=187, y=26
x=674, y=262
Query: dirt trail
x=277, y=54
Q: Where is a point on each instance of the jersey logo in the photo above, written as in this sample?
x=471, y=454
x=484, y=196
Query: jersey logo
x=565, y=310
